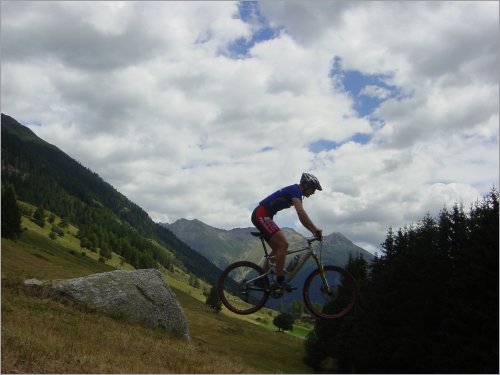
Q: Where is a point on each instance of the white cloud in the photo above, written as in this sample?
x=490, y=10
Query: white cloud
x=147, y=95
x=376, y=92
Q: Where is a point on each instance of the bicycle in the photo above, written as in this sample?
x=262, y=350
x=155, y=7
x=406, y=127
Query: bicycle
x=329, y=292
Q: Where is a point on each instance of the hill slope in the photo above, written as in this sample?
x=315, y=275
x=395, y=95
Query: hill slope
x=46, y=177
x=43, y=334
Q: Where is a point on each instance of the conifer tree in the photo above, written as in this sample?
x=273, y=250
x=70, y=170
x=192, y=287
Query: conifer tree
x=11, y=214
x=39, y=217
x=470, y=313
x=213, y=300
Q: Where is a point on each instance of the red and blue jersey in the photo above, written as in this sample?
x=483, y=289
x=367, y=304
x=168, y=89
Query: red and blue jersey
x=281, y=199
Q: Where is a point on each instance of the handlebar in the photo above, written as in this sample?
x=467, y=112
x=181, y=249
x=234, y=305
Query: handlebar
x=312, y=239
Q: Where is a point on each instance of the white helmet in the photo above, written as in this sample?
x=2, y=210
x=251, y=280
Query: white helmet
x=310, y=180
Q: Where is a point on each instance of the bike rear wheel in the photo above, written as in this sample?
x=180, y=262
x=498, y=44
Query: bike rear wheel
x=242, y=287
x=335, y=302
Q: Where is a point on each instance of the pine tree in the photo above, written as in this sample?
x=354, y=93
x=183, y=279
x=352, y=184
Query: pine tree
x=105, y=251
x=213, y=300
x=470, y=326
x=11, y=214
x=39, y=217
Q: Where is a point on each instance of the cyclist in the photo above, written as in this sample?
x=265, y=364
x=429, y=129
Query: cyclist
x=262, y=218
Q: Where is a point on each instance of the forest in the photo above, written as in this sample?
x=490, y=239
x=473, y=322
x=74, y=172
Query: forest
x=428, y=304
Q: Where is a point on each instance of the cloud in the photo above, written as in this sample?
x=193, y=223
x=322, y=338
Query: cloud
x=376, y=92
x=201, y=109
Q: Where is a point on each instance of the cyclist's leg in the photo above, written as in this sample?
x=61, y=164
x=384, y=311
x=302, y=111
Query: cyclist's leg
x=279, y=245
x=270, y=230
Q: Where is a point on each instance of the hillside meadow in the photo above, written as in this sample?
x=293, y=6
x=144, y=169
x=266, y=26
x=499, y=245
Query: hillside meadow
x=42, y=333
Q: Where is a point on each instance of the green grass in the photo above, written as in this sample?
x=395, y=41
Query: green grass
x=35, y=255
x=41, y=334
x=300, y=330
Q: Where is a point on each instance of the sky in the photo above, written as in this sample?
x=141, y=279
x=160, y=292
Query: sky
x=199, y=110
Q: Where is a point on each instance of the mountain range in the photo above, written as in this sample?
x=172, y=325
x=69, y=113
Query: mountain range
x=223, y=247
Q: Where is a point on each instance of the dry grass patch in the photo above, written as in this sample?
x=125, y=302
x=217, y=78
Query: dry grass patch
x=43, y=335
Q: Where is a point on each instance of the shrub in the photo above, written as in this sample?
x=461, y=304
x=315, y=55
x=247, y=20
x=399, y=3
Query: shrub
x=284, y=322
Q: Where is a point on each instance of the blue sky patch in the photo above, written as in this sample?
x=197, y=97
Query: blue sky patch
x=327, y=145
x=322, y=145
x=367, y=90
x=249, y=12
x=361, y=138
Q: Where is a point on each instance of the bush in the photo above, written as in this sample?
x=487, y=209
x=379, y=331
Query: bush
x=284, y=322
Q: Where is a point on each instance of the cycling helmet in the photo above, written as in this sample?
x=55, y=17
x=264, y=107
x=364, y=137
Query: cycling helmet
x=310, y=180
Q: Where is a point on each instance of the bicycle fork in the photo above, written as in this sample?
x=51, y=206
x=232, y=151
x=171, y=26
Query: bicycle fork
x=326, y=287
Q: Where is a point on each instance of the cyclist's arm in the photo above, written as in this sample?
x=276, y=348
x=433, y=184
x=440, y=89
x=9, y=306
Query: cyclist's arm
x=304, y=218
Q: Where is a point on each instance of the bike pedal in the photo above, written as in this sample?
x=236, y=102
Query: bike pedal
x=277, y=294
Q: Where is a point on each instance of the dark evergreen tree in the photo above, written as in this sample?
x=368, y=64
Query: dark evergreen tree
x=11, y=213
x=51, y=218
x=469, y=333
x=105, y=251
x=213, y=300
x=63, y=223
x=39, y=217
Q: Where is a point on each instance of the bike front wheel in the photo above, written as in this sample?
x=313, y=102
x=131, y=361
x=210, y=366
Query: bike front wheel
x=243, y=287
x=332, y=297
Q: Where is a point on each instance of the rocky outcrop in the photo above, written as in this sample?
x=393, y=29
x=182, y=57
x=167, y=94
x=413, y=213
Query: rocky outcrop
x=140, y=296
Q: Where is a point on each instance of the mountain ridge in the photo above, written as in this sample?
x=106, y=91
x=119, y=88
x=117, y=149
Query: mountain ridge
x=45, y=176
x=224, y=246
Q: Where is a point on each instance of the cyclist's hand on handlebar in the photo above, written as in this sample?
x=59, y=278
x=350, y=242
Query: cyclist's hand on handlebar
x=318, y=233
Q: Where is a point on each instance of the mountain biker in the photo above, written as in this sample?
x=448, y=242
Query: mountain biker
x=262, y=218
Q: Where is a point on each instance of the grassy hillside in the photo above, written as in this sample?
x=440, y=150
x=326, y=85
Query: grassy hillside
x=43, y=334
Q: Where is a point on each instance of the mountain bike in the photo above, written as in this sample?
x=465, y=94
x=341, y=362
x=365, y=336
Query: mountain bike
x=329, y=291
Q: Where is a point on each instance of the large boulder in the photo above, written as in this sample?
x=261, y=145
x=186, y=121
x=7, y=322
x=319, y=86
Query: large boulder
x=135, y=296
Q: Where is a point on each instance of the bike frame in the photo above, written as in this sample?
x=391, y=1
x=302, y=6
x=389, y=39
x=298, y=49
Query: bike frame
x=290, y=275
x=246, y=277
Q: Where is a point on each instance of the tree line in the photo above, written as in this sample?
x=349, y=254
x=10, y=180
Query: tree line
x=99, y=231
x=428, y=303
